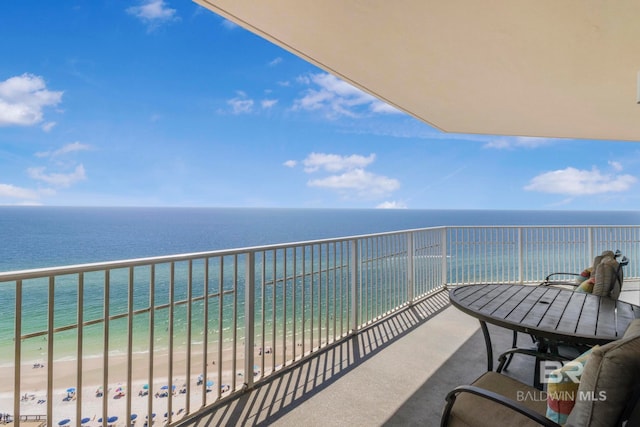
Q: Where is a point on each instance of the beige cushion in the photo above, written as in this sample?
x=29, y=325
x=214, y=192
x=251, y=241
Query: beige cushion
x=608, y=381
x=596, y=262
x=607, y=284
x=608, y=253
x=633, y=329
x=471, y=410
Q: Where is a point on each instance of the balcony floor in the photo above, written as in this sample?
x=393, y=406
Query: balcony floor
x=394, y=373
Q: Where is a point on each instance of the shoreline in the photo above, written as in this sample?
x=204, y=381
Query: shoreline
x=219, y=374
x=64, y=377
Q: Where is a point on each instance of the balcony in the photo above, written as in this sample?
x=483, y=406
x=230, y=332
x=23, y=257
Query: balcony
x=395, y=373
x=354, y=330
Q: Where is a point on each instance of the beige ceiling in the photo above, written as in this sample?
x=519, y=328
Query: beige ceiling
x=544, y=68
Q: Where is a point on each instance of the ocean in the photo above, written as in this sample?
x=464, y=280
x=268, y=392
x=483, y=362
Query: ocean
x=37, y=237
x=34, y=237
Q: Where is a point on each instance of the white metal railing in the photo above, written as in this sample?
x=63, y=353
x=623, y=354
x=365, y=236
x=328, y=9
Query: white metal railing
x=211, y=324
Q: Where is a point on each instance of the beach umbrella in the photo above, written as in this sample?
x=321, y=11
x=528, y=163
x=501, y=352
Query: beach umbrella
x=134, y=416
x=164, y=387
x=152, y=416
x=145, y=387
x=64, y=422
x=85, y=420
x=112, y=420
x=209, y=383
x=71, y=390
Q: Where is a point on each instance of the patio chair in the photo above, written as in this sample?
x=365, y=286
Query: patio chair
x=605, y=393
x=608, y=275
x=560, y=279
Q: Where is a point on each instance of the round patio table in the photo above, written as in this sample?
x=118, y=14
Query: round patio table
x=554, y=314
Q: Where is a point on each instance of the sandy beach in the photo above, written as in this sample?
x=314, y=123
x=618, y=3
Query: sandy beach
x=33, y=389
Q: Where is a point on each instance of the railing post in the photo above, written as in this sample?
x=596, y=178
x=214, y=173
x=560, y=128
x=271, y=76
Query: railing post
x=17, y=354
x=410, y=269
x=444, y=262
x=355, y=312
x=249, y=317
x=520, y=255
x=590, y=243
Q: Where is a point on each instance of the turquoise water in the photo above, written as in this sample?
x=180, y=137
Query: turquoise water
x=36, y=237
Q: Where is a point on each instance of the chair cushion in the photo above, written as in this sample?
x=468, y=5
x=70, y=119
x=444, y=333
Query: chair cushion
x=608, y=253
x=606, y=284
x=562, y=388
x=610, y=377
x=633, y=329
x=471, y=410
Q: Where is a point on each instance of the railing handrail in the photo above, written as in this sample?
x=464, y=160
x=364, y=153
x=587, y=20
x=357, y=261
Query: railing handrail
x=135, y=262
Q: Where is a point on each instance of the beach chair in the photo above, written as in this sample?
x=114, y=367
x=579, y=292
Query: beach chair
x=600, y=388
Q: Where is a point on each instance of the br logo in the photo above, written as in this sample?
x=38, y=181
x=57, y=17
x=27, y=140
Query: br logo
x=550, y=371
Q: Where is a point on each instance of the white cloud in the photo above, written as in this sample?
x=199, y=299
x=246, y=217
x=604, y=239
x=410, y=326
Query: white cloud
x=617, y=166
x=275, y=62
x=153, y=12
x=9, y=190
x=69, y=148
x=499, y=143
x=363, y=183
x=382, y=107
x=48, y=126
x=353, y=181
x=60, y=180
x=268, y=103
x=392, y=205
x=229, y=25
x=575, y=182
x=241, y=104
x=335, y=162
x=22, y=99
x=336, y=98
x=516, y=142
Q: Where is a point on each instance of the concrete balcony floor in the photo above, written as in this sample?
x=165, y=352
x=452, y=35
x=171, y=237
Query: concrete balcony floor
x=395, y=373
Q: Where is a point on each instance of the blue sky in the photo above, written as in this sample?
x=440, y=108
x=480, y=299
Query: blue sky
x=163, y=103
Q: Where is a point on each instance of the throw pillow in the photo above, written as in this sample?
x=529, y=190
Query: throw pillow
x=609, y=380
x=586, y=286
x=562, y=388
x=584, y=275
x=606, y=277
